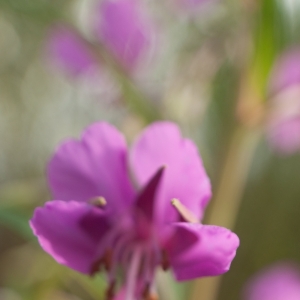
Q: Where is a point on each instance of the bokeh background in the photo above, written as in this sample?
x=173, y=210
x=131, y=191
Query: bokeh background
x=227, y=71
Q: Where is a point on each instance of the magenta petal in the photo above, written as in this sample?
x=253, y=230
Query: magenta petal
x=92, y=167
x=68, y=50
x=180, y=239
x=210, y=256
x=124, y=30
x=184, y=177
x=71, y=233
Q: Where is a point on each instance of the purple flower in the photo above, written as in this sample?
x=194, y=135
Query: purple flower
x=279, y=282
x=101, y=219
x=284, y=135
x=121, y=25
x=125, y=30
x=67, y=49
x=283, y=126
x=286, y=71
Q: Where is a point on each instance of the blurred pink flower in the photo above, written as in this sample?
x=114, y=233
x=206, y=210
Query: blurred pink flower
x=283, y=124
x=121, y=25
x=125, y=30
x=286, y=71
x=278, y=282
x=101, y=219
x=284, y=135
x=68, y=50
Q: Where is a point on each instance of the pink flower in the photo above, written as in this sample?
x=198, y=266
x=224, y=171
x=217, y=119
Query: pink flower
x=125, y=30
x=101, y=219
x=67, y=49
x=286, y=71
x=279, y=282
x=283, y=126
x=121, y=25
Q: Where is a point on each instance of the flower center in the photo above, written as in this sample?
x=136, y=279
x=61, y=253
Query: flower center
x=132, y=248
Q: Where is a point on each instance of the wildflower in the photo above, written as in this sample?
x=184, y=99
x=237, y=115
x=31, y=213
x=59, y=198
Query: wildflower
x=125, y=30
x=101, y=220
x=120, y=25
x=68, y=50
x=278, y=282
x=283, y=126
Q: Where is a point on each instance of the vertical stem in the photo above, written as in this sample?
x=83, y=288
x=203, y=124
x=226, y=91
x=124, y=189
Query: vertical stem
x=134, y=97
x=233, y=177
x=228, y=196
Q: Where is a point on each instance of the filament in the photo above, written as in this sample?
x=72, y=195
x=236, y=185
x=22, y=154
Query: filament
x=133, y=274
x=184, y=212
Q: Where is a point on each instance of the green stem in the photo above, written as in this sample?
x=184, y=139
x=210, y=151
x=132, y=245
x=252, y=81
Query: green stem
x=228, y=196
x=135, y=98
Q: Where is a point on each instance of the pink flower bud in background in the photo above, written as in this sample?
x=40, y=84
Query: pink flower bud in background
x=67, y=50
x=278, y=282
x=120, y=25
x=283, y=124
x=125, y=30
x=286, y=71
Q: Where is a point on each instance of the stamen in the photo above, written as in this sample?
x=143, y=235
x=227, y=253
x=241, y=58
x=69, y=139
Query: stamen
x=146, y=291
x=148, y=294
x=122, y=252
x=107, y=260
x=96, y=266
x=133, y=274
x=151, y=296
x=110, y=292
x=164, y=261
x=98, y=201
x=185, y=213
x=148, y=265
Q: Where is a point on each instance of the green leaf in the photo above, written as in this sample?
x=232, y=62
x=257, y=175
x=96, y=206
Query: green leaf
x=270, y=37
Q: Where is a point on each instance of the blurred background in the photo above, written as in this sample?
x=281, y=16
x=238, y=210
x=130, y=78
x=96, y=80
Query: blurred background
x=227, y=71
